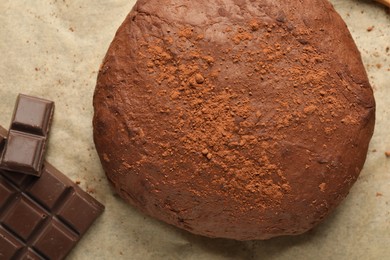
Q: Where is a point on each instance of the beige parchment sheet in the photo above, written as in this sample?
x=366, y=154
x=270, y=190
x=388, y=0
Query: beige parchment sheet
x=53, y=49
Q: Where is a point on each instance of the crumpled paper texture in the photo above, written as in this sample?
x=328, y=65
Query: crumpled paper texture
x=53, y=49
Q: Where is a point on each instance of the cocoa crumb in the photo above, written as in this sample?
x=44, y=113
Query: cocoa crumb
x=369, y=29
x=206, y=153
x=91, y=190
x=322, y=187
x=175, y=94
x=387, y=153
x=242, y=36
x=106, y=158
x=379, y=194
x=199, y=78
x=200, y=37
x=309, y=109
x=254, y=25
x=186, y=32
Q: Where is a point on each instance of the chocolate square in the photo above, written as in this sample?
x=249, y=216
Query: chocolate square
x=77, y=211
x=55, y=241
x=32, y=115
x=23, y=152
x=47, y=196
x=24, y=217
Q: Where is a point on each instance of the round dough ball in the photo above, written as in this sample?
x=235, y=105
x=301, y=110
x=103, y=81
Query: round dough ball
x=240, y=119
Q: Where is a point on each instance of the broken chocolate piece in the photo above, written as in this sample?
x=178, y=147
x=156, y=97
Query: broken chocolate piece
x=27, y=138
x=42, y=217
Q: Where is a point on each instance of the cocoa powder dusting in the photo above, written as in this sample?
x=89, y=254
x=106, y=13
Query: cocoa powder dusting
x=220, y=123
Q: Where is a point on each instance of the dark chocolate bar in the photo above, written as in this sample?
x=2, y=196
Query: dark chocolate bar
x=42, y=217
x=27, y=138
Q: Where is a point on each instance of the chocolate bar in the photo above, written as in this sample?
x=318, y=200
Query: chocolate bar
x=42, y=217
x=27, y=138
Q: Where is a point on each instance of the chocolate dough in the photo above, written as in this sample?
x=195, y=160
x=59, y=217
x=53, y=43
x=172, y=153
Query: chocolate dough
x=240, y=119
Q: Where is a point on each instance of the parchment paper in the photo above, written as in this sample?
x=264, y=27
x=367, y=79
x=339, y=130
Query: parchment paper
x=53, y=49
